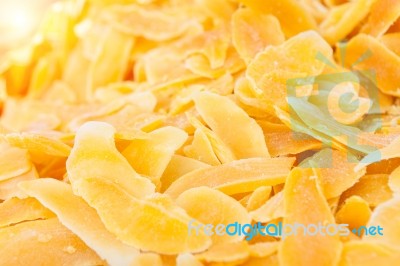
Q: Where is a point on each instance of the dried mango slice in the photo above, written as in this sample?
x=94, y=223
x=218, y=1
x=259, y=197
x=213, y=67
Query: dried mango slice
x=151, y=217
x=38, y=143
x=381, y=59
x=372, y=188
x=240, y=132
x=387, y=216
x=394, y=180
x=151, y=156
x=258, y=197
x=392, y=41
x=210, y=206
x=270, y=210
x=367, y=254
x=94, y=156
x=177, y=167
x=341, y=20
x=226, y=253
x=355, y=212
x=58, y=197
x=383, y=14
x=335, y=171
x=270, y=261
x=390, y=151
x=236, y=177
x=292, y=15
x=263, y=249
x=15, y=210
x=145, y=259
x=187, y=259
x=49, y=238
x=201, y=149
x=9, y=188
x=302, y=189
x=281, y=140
x=13, y=162
x=252, y=32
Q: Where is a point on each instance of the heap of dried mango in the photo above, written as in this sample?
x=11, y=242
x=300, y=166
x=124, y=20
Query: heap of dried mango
x=134, y=131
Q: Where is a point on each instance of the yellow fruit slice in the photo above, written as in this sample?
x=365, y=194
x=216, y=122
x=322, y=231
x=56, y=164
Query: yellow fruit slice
x=13, y=162
x=69, y=208
x=94, y=156
x=236, y=253
x=236, y=177
x=300, y=193
x=232, y=124
x=210, y=206
x=201, y=148
x=137, y=221
x=383, y=14
x=56, y=245
x=394, y=180
x=355, y=212
x=270, y=210
x=258, y=197
x=16, y=210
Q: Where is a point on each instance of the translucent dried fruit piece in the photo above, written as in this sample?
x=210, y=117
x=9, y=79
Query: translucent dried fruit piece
x=236, y=177
x=253, y=31
x=335, y=171
x=151, y=217
x=387, y=216
x=151, y=156
x=341, y=20
x=16, y=210
x=177, y=167
x=372, y=188
x=9, y=188
x=69, y=208
x=281, y=140
x=392, y=41
x=383, y=61
x=383, y=14
x=187, y=259
x=270, y=210
x=201, y=149
x=232, y=124
x=394, y=180
x=56, y=245
x=226, y=253
x=292, y=15
x=13, y=161
x=263, y=249
x=355, y=212
x=361, y=253
x=38, y=143
x=145, y=259
x=210, y=206
x=258, y=197
x=270, y=261
x=300, y=194
x=94, y=155
x=151, y=24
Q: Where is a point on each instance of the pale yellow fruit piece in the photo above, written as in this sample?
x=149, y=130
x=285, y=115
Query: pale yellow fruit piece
x=70, y=210
x=394, y=180
x=387, y=216
x=293, y=15
x=270, y=261
x=372, y=188
x=210, y=206
x=253, y=31
x=16, y=210
x=146, y=259
x=383, y=14
x=236, y=177
x=341, y=20
x=355, y=212
x=9, y=188
x=187, y=259
x=94, y=155
x=270, y=210
x=301, y=193
x=44, y=242
x=258, y=197
x=362, y=253
x=201, y=148
x=263, y=249
x=177, y=167
x=151, y=156
x=137, y=221
x=226, y=253
x=38, y=143
x=232, y=124
x=13, y=162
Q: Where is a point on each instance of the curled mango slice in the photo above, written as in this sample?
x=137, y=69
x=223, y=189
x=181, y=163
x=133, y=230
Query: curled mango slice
x=355, y=212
